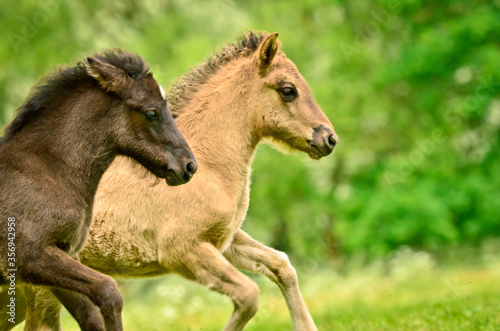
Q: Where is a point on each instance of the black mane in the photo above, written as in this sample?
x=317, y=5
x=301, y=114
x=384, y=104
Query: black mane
x=61, y=83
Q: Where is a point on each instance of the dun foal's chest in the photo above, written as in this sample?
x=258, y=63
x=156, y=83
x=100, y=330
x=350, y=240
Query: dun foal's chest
x=234, y=222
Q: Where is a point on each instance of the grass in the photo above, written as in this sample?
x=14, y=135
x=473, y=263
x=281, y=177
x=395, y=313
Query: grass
x=409, y=291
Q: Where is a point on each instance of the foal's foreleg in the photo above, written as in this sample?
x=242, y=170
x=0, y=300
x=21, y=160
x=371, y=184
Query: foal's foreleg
x=247, y=253
x=87, y=314
x=52, y=267
x=44, y=309
x=206, y=265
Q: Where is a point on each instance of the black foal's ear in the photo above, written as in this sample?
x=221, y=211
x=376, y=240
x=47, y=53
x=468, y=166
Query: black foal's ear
x=109, y=77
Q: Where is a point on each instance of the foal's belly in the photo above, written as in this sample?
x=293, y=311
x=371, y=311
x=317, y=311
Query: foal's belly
x=115, y=249
x=125, y=266
x=121, y=259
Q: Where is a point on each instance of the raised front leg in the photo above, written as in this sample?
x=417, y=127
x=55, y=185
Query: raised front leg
x=206, y=265
x=52, y=267
x=87, y=314
x=44, y=309
x=247, y=253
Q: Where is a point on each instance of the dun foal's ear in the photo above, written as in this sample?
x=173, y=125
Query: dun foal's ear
x=268, y=50
x=109, y=77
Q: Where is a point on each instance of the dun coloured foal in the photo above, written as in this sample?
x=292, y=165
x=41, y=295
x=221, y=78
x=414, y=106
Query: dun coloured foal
x=246, y=93
x=53, y=154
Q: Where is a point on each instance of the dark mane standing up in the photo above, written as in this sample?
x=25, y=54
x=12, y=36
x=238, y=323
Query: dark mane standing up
x=61, y=83
x=182, y=90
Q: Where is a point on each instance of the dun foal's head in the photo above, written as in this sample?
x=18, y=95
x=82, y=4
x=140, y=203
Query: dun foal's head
x=142, y=126
x=289, y=112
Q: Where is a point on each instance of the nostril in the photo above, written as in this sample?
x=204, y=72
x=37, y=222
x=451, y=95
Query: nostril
x=332, y=140
x=190, y=169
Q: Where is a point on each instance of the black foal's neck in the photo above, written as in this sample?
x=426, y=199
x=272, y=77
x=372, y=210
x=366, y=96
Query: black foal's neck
x=72, y=140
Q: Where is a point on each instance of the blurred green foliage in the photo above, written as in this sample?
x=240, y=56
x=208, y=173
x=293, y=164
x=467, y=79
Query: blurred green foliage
x=412, y=88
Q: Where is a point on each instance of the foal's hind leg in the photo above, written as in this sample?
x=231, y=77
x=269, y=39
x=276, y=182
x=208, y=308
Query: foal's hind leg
x=206, y=265
x=50, y=266
x=246, y=253
x=43, y=309
x=20, y=308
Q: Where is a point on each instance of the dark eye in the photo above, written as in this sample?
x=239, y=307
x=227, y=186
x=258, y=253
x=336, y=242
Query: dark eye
x=151, y=115
x=288, y=93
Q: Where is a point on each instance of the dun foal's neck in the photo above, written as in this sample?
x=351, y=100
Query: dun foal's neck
x=221, y=129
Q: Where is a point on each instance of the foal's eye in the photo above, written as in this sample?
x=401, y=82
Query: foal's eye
x=288, y=94
x=151, y=115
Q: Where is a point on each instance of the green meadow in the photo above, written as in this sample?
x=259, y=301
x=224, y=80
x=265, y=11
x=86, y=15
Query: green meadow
x=410, y=290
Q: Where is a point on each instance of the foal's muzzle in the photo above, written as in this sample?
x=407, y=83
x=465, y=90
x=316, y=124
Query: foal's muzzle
x=181, y=172
x=323, y=142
